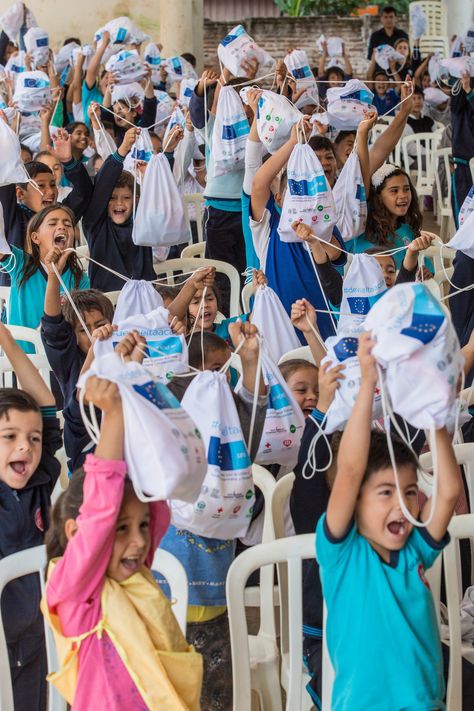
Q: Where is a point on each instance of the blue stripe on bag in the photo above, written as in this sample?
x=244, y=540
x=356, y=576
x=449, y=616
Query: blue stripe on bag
x=228, y=456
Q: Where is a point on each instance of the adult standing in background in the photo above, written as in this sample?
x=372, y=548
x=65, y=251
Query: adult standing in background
x=389, y=33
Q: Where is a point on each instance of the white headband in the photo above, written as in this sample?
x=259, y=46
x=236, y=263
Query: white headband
x=382, y=174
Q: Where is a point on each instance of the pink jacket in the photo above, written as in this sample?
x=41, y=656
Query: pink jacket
x=75, y=586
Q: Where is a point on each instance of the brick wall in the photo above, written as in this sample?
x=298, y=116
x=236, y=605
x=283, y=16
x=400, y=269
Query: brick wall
x=276, y=35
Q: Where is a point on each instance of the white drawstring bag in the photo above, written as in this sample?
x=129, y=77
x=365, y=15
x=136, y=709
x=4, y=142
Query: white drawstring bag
x=464, y=237
x=284, y=419
x=160, y=220
x=458, y=66
x=434, y=97
x=467, y=207
x=176, y=119
x=186, y=90
x=308, y=197
x=348, y=105
x=229, y=136
x=238, y=47
x=363, y=286
x=334, y=46
x=164, y=450
x=385, y=53
x=418, y=21
x=37, y=44
x=137, y=297
x=32, y=92
x=127, y=66
x=344, y=350
x=309, y=97
x=297, y=63
x=16, y=65
x=122, y=31
x=273, y=323
x=178, y=68
x=434, y=68
x=64, y=58
x=165, y=351
x=350, y=199
x=224, y=506
x=142, y=149
x=417, y=345
x=164, y=107
x=12, y=169
x=132, y=94
x=469, y=40
x=152, y=56
x=275, y=119
x=12, y=21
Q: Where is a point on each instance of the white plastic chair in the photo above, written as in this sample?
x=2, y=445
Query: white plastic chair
x=424, y=145
x=170, y=266
x=281, y=494
x=31, y=335
x=460, y=527
x=197, y=200
x=441, y=278
x=464, y=454
x=112, y=296
x=174, y=573
x=39, y=359
x=435, y=12
x=304, y=352
x=63, y=479
x=445, y=214
x=246, y=295
x=264, y=655
x=194, y=250
x=291, y=551
x=31, y=560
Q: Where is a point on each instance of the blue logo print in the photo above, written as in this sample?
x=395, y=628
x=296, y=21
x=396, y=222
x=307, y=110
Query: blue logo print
x=345, y=348
x=308, y=187
x=427, y=316
x=228, y=456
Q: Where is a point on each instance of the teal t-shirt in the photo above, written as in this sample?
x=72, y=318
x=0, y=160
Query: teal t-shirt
x=89, y=95
x=401, y=238
x=27, y=302
x=382, y=633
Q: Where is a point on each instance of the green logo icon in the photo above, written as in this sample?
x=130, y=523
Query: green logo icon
x=292, y=429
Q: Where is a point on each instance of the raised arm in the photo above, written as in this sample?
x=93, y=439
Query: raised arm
x=323, y=58
x=303, y=317
x=248, y=353
x=28, y=376
x=96, y=60
x=363, y=147
x=389, y=138
x=354, y=447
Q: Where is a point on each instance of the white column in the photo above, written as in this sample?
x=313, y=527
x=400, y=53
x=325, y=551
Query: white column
x=460, y=14
x=176, y=27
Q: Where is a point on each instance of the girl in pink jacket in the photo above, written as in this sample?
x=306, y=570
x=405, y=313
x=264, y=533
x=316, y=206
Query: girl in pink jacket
x=105, y=539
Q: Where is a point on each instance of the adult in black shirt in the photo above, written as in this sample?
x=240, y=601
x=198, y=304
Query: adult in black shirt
x=389, y=33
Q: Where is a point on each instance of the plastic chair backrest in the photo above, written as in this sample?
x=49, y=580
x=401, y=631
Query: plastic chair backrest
x=197, y=200
x=170, y=266
x=434, y=253
x=194, y=250
x=435, y=43
x=173, y=571
x=464, y=454
x=304, y=353
x=246, y=295
x=425, y=145
x=39, y=361
x=459, y=528
x=291, y=551
x=280, y=496
x=112, y=296
x=31, y=335
x=435, y=11
x=29, y=561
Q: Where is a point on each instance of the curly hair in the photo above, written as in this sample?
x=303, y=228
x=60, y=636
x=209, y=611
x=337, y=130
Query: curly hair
x=32, y=260
x=379, y=227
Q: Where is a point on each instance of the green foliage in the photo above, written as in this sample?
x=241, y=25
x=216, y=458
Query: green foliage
x=298, y=8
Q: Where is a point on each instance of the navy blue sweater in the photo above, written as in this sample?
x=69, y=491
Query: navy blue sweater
x=24, y=516
x=109, y=243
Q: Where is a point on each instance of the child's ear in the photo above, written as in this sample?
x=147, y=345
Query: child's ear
x=20, y=193
x=35, y=237
x=70, y=528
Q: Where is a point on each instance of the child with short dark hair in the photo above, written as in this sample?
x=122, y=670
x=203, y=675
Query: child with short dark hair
x=29, y=438
x=108, y=224
x=370, y=553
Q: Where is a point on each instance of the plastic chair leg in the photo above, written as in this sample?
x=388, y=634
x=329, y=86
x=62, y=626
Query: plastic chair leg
x=266, y=682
